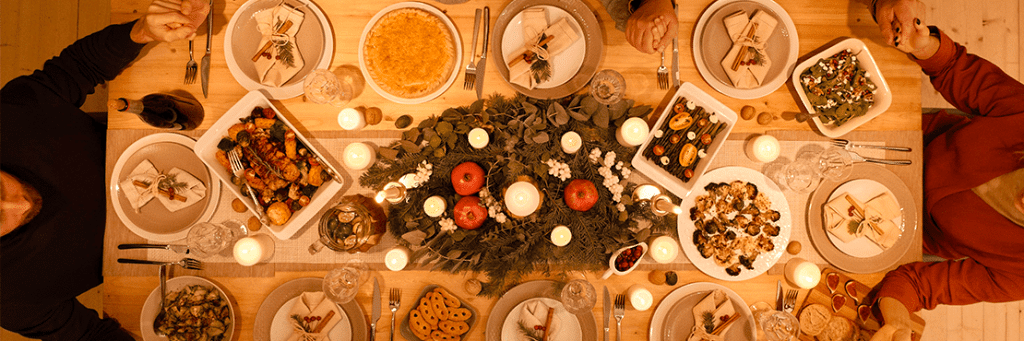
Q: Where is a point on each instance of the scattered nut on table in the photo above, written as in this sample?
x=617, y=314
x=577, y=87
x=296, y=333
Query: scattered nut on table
x=747, y=112
x=764, y=118
x=238, y=206
x=253, y=224
x=657, y=277
x=373, y=115
x=794, y=247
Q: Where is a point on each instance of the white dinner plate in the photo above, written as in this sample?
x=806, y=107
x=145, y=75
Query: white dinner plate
x=314, y=39
x=271, y=319
x=565, y=64
x=863, y=190
x=764, y=185
x=673, y=318
x=152, y=306
x=568, y=330
x=153, y=221
x=711, y=43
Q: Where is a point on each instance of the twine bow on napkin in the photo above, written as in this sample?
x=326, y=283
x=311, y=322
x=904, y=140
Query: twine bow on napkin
x=747, y=64
x=278, y=59
x=313, y=304
x=531, y=64
x=176, y=189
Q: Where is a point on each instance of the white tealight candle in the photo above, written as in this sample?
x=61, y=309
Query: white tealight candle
x=763, y=148
x=571, y=142
x=351, y=119
x=397, y=258
x=664, y=249
x=633, y=132
x=561, y=235
x=254, y=249
x=522, y=198
x=358, y=156
x=640, y=298
x=478, y=138
x=802, y=273
x=434, y=206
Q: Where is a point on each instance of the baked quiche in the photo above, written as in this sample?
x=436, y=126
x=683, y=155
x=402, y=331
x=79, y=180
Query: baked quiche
x=409, y=53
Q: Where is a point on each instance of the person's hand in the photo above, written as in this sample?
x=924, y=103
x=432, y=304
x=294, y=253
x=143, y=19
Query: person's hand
x=170, y=20
x=652, y=27
x=897, y=321
x=901, y=23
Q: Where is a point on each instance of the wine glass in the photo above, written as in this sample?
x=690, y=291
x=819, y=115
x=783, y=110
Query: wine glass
x=323, y=87
x=779, y=325
x=802, y=174
x=341, y=284
x=607, y=87
x=206, y=239
x=835, y=163
x=578, y=296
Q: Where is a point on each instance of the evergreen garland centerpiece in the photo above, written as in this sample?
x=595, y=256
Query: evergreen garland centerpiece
x=524, y=142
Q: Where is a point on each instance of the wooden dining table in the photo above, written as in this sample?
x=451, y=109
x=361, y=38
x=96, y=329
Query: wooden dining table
x=160, y=68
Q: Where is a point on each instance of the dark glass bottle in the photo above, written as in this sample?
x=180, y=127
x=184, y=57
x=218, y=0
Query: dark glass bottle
x=163, y=110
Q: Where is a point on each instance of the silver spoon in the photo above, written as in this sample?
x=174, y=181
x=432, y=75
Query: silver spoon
x=163, y=294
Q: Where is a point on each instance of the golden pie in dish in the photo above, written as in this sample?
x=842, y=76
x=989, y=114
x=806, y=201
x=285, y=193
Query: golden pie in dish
x=409, y=53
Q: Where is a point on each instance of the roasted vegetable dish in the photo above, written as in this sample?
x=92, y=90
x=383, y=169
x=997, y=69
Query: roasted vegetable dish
x=281, y=172
x=838, y=88
x=733, y=224
x=195, y=313
x=684, y=138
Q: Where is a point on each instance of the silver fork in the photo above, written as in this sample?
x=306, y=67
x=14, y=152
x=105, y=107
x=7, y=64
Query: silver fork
x=662, y=73
x=790, y=300
x=394, y=301
x=191, y=67
x=471, y=67
x=187, y=263
x=620, y=312
x=236, y=168
x=846, y=144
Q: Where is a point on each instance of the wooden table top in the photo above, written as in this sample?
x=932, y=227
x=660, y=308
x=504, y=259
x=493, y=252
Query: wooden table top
x=160, y=68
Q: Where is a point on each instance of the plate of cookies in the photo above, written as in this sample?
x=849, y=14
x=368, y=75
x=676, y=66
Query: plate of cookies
x=437, y=315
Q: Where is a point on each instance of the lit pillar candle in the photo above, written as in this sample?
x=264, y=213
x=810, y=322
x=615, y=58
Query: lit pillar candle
x=254, y=249
x=763, y=148
x=571, y=142
x=639, y=297
x=397, y=258
x=478, y=138
x=633, y=132
x=522, y=198
x=663, y=249
x=358, y=156
x=802, y=273
x=561, y=235
x=434, y=206
x=351, y=119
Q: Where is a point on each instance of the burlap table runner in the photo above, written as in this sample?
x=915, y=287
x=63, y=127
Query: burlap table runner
x=292, y=254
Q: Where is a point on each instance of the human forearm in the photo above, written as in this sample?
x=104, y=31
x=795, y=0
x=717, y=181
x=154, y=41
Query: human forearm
x=969, y=82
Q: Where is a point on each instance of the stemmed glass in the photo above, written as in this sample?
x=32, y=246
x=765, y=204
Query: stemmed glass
x=802, y=174
x=206, y=239
x=578, y=296
x=835, y=163
x=323, y=87
x=341, y=284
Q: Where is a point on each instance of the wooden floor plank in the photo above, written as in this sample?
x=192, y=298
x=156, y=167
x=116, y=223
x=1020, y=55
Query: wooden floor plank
x=954, y=323
x=935, y=326
x=1013, y=321
x=994, y=322
x=973, y=321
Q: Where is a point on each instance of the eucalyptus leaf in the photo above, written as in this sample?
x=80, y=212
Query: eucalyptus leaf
x=618, y=109
x=561, y=117
x=410, y=147
x=414, y=237
x=411, y=135
x=529, y=108
x=435, y=142
x=640, y=111
x=451, y=114
x=462, y=128
x=477, y=106
x=601, y=117
x=539, y=126
x=388, y=153
x=429, y=133
x=440, y=152
x=541, y=169
x=457, y=235
x=444, y=128
x=580, y=115
x=430, y=122
x=643, y=234
x=541, y=137
x=575, y=102
x=590, y=105
x=451, y=140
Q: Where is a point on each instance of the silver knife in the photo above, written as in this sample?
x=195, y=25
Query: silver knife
x=205, y=63
x=778, y=296
x=482, y=64
x=675, y=62
x=607, y=312
x=375, y=310
x=182, y=249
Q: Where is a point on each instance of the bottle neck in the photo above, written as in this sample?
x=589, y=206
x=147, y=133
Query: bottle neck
x=126, y=105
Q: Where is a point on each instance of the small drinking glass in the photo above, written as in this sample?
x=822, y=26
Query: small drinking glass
x=341, y=284
x=206, y=239
x=779, y=325
x=323, y=87
x=835, y=163
x=802, y=174
x=607, y=87
x=578, y=296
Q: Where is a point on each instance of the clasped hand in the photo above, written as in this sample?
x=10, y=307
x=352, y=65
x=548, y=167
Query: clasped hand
x=170, y=20
x=902, y=25
x=652, y=27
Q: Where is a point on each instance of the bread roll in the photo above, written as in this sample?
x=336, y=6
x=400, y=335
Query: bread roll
x=814, y=318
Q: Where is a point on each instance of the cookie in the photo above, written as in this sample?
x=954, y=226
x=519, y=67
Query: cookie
x=453, y=327
x=438, y=335
x=814, y=318
x=450, y=300
x=459, y=314
x=437, y=303
x=428, y=313
x=419, y=326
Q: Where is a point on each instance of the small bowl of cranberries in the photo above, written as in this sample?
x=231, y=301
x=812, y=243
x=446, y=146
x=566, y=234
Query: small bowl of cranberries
x=625, y=259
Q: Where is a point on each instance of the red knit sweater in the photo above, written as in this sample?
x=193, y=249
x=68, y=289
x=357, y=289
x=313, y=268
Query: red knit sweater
x=960, y=154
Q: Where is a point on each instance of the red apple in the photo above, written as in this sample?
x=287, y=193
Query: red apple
x=469, y=214
x=467, y=178
x=580, y=195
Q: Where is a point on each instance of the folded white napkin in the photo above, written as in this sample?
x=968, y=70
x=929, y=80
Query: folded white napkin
x=838, y=219
x=739, y=28
x=313, y=304
x=535, y=25
x=718, y=304
x=185, y=185
x=285, y=60
x=535, y=313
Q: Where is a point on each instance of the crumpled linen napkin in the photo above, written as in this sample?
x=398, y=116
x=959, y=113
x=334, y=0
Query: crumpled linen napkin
x=535, y=313
x=285, y=60
x=739, y=26
x=187, y=186
x=313, y=304
x=535, y=23
x=717, y=303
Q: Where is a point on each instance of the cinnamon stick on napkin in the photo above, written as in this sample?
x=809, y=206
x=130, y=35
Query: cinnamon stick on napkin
x=279, y=62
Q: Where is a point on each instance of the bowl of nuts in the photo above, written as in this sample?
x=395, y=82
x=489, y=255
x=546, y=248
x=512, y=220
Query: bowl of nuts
x=625, y=259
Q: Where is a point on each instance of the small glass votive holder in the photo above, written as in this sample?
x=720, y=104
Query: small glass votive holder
x=607, y=87
x=254, y=249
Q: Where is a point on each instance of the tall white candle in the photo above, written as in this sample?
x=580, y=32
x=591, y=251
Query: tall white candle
x=571, y=142
x=633, y=132
x=358, y=156
x=561, y=235
x=434, y=206
x=639, y=297
x=478, y=138
x=397, y=258
x=802, y=273
x=664, y=249
x=254, y=249
x=763, y=148
x=351, y=119
x=522, y=198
